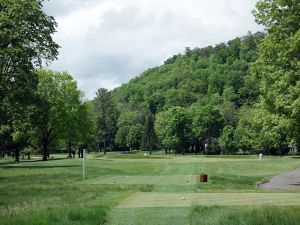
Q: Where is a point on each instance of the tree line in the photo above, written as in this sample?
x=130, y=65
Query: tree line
x=236, y=97
x=40, y=110
x=242, y=96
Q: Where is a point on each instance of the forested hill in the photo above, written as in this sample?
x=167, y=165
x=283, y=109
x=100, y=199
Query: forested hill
x=242, y=96
x=189, y=101
x=212, y=75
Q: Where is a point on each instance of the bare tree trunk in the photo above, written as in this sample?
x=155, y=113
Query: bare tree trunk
x=45, y=149
x=45, y=142
x=69, y=149
x=17, y=154
x=104, y=146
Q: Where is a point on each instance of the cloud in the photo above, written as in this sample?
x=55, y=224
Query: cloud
x=105, y=43
x=58, y=8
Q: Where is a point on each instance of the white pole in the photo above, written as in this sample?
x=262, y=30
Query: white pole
x=83, y=164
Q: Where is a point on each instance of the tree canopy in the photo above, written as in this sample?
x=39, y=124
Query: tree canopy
x=25, y=44
x=242, y=96
x=278, y=65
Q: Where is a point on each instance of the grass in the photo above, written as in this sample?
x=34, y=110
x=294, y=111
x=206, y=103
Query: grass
x=271, y=215
x=206, y=215
x=149, y=216
x=189, y=199
x=52, y=192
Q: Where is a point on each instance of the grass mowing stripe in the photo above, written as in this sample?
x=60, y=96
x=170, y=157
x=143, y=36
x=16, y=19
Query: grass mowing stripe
x=149, y=216
x=175, y=199
x=158, y=180
x=53, y=193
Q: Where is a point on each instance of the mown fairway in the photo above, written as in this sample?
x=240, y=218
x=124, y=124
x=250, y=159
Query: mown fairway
x=138, y=189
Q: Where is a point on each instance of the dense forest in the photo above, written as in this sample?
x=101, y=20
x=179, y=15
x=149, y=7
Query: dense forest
x=239, y=97
x=200, y=101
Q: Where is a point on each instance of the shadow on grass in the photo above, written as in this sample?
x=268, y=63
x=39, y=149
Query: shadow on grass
x=2, y=164
x=296, y=157
x=16, y=166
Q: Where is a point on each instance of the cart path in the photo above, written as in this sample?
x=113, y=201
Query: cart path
x=288, y=180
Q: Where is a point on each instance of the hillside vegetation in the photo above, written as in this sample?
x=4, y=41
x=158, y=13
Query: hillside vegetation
x=201, y=101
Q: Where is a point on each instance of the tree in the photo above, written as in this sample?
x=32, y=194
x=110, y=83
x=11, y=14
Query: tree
x=271, y=129
x=58, y=107
x=207, y=123
x=260, y=130
x=73, y=114
x=130, y=129
x=25, y=43
x=245, y=134
x=278, y=64
x=148, y=138
x=227, y=140
x=134, y=136
x=106, y=118
x=173, y=128
x=87, y=126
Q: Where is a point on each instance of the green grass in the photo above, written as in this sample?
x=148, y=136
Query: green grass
x=271, y=215
x=53, y=192
x=206, y=215
x=149, y=216
x=153, y=199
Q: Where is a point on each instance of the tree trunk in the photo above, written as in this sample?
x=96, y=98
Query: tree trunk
x=28, y=156
x=104, y=147
x=198, y=147
x=69, y=149
x=45, y=149
x=17, y=154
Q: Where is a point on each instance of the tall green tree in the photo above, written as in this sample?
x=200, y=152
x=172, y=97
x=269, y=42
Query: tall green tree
x=25, y=43
x=228, y=144
x=173, y=128
x=278, y=65
x=58, y=108
x=148, y=138
x=106, y=115
x=207, y=124
x=87, y=127
x=247, y=132
x=130, y=129
x=73, y=113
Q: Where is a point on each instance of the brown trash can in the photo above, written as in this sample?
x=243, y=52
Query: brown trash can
x=203, y=178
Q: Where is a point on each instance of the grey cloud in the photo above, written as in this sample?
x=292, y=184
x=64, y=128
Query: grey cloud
x=105, y=70
x=129, y=40
x=106, y=63
x=59, y=8
x=163, y=29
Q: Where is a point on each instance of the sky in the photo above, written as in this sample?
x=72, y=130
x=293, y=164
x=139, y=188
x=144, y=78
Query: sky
x=105, y=43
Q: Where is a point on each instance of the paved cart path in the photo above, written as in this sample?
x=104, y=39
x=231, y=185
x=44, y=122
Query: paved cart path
x=288, y=180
